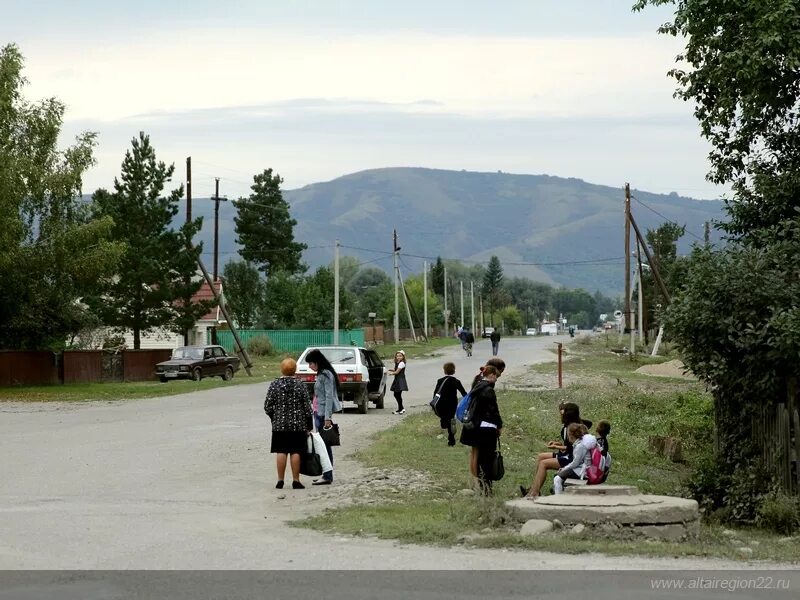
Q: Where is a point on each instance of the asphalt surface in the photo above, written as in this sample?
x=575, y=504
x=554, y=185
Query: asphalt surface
x=187, y=482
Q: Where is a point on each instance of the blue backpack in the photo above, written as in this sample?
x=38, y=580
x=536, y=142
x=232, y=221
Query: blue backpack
x=465, y=409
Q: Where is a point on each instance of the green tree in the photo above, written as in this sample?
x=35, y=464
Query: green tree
x=372, y=290
x=281, y=294
x=265, y=229
x=244, y=292
x=52, y=253
x=492, y=284
x=156, y=276
x=511, y=319
x=314, y=303
x=437, y=277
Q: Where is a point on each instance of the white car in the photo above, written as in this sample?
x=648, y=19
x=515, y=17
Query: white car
x=531, y=331
x=361, y=372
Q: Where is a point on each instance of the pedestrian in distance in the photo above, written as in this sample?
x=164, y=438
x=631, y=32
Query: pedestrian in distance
x=494, y=337
x=469, y=339
x=482, y=432
x=289, y=408
x=399, y=385
x=326, y=401
x=448, y=388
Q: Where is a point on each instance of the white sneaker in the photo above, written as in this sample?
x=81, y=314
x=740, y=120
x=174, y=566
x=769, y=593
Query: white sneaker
x=399, y=412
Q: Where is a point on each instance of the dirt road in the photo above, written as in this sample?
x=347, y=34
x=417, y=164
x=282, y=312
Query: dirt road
x=186, y=482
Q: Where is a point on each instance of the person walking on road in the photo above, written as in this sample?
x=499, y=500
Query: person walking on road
x=469, y=339
x=326, y=401
x=495, y=339
x=399, y=385
x=448, y=387
x=289, y=408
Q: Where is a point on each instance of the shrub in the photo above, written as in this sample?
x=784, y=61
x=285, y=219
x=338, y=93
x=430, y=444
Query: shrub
x=780, y=513
x=260, y=346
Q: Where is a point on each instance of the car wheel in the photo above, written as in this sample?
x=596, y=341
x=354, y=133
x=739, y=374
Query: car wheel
x=162, y=379
x=197, y=374
x=228, y=374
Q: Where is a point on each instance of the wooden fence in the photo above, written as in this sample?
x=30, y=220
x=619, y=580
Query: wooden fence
x=78, y=366
x=776, y=431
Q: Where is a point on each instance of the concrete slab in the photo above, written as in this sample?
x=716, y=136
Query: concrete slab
x=603, y=490
x=626, y=510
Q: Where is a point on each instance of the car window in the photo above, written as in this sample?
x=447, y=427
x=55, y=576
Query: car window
x=364, y=359
x=374, y=360
x=340, y=355
x=219, y=352
x=186, y=352
x=207, y=353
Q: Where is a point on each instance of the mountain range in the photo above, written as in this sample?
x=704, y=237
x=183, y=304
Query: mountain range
x=561, y=231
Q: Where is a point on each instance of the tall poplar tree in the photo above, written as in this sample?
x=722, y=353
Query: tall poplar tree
x=492, y=284
x=265, y=229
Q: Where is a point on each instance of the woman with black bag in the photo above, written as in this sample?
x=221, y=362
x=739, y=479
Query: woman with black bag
x=326, y=402
x=445, y=405
x=289, y=408
x=482, y=432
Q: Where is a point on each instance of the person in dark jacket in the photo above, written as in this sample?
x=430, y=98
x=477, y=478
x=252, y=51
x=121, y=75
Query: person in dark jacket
x=448, y=388
x=495, y=339
x=289, y=408
x=469, y=339
x=497, y=363
x=482, y=433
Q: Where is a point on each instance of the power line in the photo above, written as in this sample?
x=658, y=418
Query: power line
x=650, y=208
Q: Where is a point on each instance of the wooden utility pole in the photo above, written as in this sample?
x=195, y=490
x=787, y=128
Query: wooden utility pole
x=640, y=302
x=653, y=264
x=396, y=289
x=627, y=254
x=461, y=285
x=425, y=298
x=188, y=219
x=336, y=294
x=472, y=307
x=446, y=312
x=217, y=200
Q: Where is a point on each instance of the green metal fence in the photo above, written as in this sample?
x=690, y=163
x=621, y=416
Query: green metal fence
x=291, y=340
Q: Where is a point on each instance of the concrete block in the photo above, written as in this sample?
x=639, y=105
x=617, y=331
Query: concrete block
x=669, y=533
x=536, y=527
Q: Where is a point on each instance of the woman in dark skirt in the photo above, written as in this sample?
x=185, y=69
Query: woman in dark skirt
x=288, y=406
x=482, y=432
x=399, y=385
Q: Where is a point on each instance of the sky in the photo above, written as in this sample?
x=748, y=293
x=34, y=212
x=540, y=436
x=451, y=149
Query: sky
x=316, y=89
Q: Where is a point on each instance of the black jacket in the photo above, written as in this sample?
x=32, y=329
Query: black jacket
x=448, y=398
x=494, y=336
x=486, y=408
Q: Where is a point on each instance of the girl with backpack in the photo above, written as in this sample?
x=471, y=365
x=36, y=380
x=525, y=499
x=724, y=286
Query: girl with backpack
x=483, y=430
x=582, y=446
x=447, y=388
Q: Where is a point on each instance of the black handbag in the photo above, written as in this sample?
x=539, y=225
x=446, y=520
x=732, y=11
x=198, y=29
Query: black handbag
x=498, y=468
x=331, y=435
x=310, y=464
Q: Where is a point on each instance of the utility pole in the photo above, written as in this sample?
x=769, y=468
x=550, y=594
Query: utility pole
x=640, y=303
x=408, y=306
x=217, y=200
x=188, y=220
x=396, y=291
x=628, y=315
x=425, y=298
x=446, y=312
x=461, y=284
x=336, y=294
x=480, y=300
x=472, y=307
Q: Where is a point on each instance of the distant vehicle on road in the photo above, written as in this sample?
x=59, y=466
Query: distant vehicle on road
x=196, y=362
x=487, y=331
x=549, y=329
x=361, y=372
x=531, y=331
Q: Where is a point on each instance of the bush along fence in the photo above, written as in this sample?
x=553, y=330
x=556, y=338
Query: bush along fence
x=291, y=340
x=78, y=366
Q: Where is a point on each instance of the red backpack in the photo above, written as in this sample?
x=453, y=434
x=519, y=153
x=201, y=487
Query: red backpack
x=596, y=470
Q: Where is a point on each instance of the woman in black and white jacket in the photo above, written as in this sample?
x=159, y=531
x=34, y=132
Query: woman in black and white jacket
x=483, y=431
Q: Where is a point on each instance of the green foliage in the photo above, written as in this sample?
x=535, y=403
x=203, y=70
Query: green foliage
x=437, y=276
x=511, y=318
x=244, y=291
x=156, y=276
x=52, y=253
x=260, y=346
x=265, y=229
x=780, y=513
x=313, y=303
x=492, y=282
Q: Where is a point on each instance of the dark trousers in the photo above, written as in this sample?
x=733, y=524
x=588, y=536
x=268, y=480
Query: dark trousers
x=495, y=348
x=398, y=395
x=449, y=423
x=487, y=438
x=327, y=475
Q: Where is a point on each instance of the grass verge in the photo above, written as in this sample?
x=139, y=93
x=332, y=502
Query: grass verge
x=638, y=407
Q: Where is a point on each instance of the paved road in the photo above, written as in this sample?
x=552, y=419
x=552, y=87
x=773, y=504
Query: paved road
x=186, y=482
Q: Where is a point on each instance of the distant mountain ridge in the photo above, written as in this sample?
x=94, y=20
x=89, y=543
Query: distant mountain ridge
x=556, y=230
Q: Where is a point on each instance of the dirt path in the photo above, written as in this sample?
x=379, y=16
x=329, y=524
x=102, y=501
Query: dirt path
x=186, y=482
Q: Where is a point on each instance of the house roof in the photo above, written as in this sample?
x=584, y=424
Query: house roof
x=205, y=293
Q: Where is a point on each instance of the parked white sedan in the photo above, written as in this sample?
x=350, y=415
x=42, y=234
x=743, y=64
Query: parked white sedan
x=361, y=372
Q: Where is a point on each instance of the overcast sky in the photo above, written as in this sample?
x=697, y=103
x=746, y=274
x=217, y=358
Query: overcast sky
x=317, y=89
